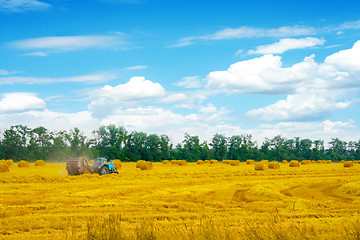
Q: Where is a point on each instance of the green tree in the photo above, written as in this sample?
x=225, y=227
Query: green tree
x=219, y=147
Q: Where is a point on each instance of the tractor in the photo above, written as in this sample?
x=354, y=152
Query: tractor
x=104, y=166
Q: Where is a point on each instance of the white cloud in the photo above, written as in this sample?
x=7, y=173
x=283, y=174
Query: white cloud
x=314, y=90
x=324, y=130
x=136, y=67
x=261, y=75
x=173, y=98
x=348, y=25
x=248, y=32
x=4, y=72
x=190, y=82
x=347, y=60
x=108, y=99
x=38, y=54
x=287, y=44
x=90, y=78
x=68, y=43
x=23, y=5
x=20, y=102
x=303, y=106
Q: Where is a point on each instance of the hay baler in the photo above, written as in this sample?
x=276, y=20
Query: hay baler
x=80, y=165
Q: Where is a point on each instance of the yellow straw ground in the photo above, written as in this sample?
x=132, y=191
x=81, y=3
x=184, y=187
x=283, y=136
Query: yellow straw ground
x=318, y=201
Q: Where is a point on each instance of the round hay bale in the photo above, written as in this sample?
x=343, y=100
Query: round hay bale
x=39, y=163
x=200, y=162
x=274, y=165
x=259, y=166
x=175, y=161
x=213, y=161
x=225, y=161
x=265, y=161
x=4, y=167
x=285, y=161
x=342, y=161
x=207, y=161
x=320, y=161
x=182, y=162
x=235, y=163
x=250, y=161
x=328, y=161
x=305, y=162
x=348, y=164
x=23, y=163
x=140, y=163
x=294, y=163
x=313, y=161
x=10, y=162
x=166, y=162
x=117, y=164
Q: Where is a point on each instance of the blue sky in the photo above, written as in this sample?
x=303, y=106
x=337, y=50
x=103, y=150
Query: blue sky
x=265, y=68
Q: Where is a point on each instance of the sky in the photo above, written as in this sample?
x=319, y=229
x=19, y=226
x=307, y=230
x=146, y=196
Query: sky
x=259, y=67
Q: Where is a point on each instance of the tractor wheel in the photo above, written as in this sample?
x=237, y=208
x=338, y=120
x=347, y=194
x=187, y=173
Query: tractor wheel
x=104, y=170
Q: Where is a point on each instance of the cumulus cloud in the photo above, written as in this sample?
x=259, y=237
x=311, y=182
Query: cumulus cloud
x=314, y=90
x=20, y=102
x=287, y=44
x=108, y=99
x=90, y=78
x=23, y=5
x=261, y=75
x=248, y=32
x=303, y=106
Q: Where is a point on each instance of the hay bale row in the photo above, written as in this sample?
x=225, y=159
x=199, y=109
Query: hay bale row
x=226, y=161
x=235, y=163
x=117, y=164
x=23, y=163
x=40, y=163
x=213, y=161
x=200, y=162
x=294, y=163
x=144, y=165
x=166, y=162
x=274, y=165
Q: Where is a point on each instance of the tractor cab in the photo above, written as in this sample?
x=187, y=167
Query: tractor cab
x=103, y=166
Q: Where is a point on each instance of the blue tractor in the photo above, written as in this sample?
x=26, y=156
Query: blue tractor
x=104, y=166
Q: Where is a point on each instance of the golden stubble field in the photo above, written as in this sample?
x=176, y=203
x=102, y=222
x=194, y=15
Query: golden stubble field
x=207, y=201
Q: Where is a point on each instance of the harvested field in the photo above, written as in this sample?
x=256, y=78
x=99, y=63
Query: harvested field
x=194, y=201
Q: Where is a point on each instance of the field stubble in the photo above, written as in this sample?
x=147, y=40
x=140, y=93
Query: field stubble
x=194, y=201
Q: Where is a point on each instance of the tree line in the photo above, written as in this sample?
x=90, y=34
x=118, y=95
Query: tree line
x=113, y=142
